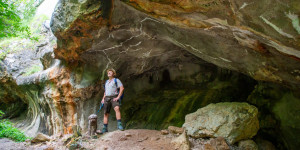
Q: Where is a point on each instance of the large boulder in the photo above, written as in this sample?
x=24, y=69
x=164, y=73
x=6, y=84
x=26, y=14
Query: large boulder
x=232, y=120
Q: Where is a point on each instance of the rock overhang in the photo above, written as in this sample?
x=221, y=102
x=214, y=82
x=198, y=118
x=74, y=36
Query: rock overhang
x=132, y=29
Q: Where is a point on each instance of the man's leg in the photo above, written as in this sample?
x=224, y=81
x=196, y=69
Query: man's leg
x=118, y=113
x=106, y=107
x=105, y=118
x=105, y=122
x=118, y=116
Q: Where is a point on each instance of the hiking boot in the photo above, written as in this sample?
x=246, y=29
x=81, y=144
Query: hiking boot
x=104, y=130
x=120, y=127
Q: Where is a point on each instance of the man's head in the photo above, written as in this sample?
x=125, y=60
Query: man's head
x=111, y=72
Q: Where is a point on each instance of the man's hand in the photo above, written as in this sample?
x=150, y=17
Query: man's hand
x=102, y=101
x=117, y=98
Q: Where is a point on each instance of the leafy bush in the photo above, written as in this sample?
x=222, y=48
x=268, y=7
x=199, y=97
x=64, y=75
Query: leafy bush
x=1, y=113
x=7, y=130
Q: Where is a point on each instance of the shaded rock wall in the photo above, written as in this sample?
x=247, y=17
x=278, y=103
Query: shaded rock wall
x=278, y=114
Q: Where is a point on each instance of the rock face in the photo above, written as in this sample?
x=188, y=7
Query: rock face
x=233, y=121
x=202, y=28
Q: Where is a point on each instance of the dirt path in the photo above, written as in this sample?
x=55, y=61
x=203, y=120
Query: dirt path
x=117, y=140
x=7, y=144
x=131, y=139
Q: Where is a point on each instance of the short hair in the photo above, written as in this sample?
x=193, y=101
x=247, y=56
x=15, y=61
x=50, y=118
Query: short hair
x=113, y=70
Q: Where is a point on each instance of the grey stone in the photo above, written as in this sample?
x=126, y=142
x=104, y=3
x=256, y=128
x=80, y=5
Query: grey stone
x=40, y=138
x=233, y=121
x=248, y=145
x=181, y=142
x=175, y=130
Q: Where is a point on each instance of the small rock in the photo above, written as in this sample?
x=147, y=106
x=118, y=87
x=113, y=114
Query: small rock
x=265, y=145
x=74, y=146
x=141, y=140
x=40, y=138
x=248, y=145
x=181, y=142
x=98, y=131
x=127, y=134
x=122, y=139
x=86, y=137
x=175, y=130
x=164, y=132
x=66, y=137
x=155, y=138
x=216, y=143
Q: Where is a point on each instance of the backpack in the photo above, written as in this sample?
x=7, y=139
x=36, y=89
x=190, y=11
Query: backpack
x=118, y=89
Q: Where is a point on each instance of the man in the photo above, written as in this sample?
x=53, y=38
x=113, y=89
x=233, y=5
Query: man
x=111, y=99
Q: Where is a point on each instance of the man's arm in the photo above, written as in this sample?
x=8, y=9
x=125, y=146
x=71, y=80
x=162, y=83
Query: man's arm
x=120, y=93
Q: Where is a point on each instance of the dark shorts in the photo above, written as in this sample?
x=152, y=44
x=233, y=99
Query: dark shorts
x=108, y=103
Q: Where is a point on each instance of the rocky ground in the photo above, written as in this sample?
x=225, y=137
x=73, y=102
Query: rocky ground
x=133, y=139
x=221, y=126
x=128, y=139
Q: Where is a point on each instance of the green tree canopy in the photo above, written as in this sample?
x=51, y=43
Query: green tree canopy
x=14, y=17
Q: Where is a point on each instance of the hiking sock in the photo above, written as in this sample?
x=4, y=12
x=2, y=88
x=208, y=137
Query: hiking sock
x=105, y=125
x=119, y=120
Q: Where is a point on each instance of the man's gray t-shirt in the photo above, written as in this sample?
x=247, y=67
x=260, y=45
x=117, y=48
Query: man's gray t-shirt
x=110, y=87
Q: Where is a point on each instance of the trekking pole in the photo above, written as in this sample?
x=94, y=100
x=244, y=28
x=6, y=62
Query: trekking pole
x=102, y=104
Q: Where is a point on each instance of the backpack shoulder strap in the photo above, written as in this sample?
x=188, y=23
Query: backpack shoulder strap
x=116, y=82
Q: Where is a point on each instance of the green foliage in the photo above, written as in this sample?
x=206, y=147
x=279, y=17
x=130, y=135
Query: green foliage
x=14, y=44
x=1, y=113
x=7, y=130
x=14, y=17
x=20, y=29
x=36, y=25
x=33, y=70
